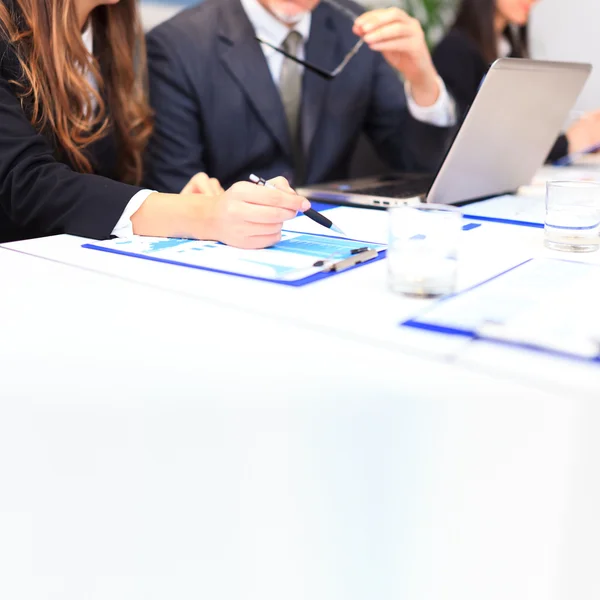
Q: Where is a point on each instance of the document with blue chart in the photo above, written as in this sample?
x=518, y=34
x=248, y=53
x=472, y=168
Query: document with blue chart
x=292, y=260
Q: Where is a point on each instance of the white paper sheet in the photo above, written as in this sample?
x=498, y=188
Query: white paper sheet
x=357, y=223
x=548, y=303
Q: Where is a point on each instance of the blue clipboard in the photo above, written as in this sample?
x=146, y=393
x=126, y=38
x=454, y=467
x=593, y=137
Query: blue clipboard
x=424, y=323
x=119, y=247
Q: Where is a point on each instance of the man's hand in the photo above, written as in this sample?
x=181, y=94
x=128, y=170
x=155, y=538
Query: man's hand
x=201, y=183
x=401, y=40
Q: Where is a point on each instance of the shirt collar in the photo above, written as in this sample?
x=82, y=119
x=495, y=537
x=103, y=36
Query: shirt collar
x=268, y=27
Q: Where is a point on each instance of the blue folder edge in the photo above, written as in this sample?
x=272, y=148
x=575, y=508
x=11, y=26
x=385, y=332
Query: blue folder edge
x=415, y=323
x=321, y=206
x=505, y=221
x=298, y=283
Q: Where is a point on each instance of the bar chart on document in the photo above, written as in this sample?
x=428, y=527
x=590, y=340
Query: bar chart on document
x=290, y=259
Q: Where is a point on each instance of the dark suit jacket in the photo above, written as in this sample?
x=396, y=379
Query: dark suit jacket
x=462, y=67
x=218, y=109
x=40, y=193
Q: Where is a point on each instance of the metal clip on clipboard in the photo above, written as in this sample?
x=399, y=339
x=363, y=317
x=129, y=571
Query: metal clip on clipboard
x=351, y=261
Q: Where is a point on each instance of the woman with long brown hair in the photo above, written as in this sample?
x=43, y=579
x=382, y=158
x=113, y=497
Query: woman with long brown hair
x=483, y=31
x=74, y=122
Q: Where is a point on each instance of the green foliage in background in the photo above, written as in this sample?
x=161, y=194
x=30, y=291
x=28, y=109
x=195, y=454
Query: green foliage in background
x=435, y=16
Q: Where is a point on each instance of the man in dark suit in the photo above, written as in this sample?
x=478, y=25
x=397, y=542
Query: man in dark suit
x=229, y=105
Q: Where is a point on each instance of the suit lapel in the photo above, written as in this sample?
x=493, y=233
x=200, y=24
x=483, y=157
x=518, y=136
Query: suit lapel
x=321, y=50
x=243, y=57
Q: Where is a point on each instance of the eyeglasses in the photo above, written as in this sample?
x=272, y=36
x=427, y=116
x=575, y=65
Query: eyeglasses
x=329, y=75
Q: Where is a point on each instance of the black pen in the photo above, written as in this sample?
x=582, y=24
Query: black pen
x=310, y=213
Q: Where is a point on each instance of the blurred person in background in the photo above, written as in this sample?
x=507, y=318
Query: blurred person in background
x=485, y=30
x=229, y=105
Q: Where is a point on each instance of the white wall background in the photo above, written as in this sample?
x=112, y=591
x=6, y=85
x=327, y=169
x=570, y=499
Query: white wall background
x=570, y=30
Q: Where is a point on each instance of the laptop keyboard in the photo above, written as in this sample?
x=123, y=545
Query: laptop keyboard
x=404, y=189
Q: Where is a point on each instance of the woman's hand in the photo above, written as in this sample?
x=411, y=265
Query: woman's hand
x=201, y=183
x=584, y=133
x=252, y=216
x=245, y=216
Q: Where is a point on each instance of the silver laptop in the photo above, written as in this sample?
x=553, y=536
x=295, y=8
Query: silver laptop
x=505, y=137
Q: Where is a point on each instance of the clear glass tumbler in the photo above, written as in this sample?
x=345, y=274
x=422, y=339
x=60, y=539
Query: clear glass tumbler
x=423, y=249
x=572, y=221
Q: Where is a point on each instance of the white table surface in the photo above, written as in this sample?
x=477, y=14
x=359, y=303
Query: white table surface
x=155, y=445
x=357, y=304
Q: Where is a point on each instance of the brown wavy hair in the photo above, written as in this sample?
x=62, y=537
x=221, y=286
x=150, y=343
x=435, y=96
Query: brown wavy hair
x=60, y=100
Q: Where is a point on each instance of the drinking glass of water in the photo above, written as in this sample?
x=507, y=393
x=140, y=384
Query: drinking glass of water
x=572, y=221
x=423, y=249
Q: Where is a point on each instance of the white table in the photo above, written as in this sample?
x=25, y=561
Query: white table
x=159, y=445
x=357, y=305
x=169, y=436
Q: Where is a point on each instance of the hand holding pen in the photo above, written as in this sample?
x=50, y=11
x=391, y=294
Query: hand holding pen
x=246, y=216
x=310, y=213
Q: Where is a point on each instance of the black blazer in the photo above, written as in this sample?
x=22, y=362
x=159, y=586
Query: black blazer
x=40, y=193
x=218, y=110
x=462, y=67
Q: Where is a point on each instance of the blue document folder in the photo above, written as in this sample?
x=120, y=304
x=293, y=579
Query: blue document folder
x=298, y=259
x=546, y=305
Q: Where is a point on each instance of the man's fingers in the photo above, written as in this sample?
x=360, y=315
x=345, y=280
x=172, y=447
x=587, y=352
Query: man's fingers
x=393, y=46
x=376, y=18
x=389, y=32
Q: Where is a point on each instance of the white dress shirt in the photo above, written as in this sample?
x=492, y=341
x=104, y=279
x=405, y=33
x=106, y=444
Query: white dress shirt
x=124, y=226
x=268, y=27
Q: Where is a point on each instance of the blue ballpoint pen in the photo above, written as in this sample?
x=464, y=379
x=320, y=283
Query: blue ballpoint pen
x=310, y=213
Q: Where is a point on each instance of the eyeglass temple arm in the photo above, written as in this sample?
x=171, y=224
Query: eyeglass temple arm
x=304, y=63
x=352, y=15
x=348, y=58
